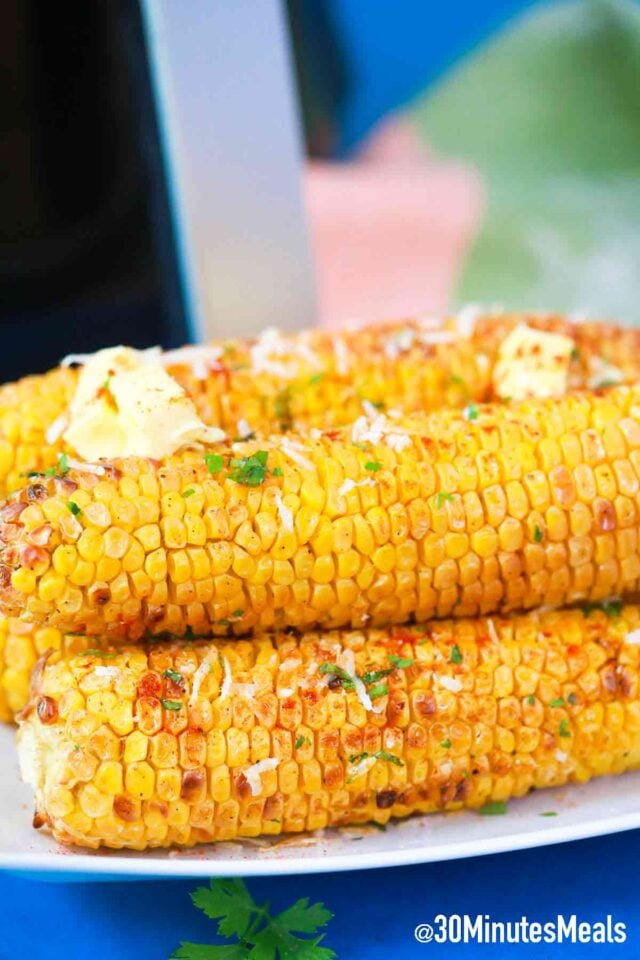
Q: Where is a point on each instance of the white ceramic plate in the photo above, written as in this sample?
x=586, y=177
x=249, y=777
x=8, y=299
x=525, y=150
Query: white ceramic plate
x=601, y=807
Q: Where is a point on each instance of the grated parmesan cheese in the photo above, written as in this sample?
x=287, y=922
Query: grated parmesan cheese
x=350, y=485
x=399, y=343
x=253, y=773
x=633, y=638
x=244, y=430
x=286, y=516
x=342, y=356
x=493, y=633
x=198, y=677
x=56, y=429
x=450, y=683
x=289, y=450
x=398, y=441
x=561, y=756
x=361, y=768
x=83, y=467
x=227, y=680
x=200, y=358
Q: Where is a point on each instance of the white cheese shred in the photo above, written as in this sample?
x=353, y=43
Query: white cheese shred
x=286, y=516
x=198, y=677
x=254, y=772
x=56, y=429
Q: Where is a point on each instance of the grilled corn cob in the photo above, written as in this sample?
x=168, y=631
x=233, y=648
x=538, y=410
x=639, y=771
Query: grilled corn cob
x=21, y=646
x=316, y=379
x=187, y=744
x=388, y=520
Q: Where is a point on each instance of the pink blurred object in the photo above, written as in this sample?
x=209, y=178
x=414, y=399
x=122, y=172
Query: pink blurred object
x=389, y=229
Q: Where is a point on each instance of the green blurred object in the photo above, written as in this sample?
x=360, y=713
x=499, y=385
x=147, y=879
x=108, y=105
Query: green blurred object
x=549, y=112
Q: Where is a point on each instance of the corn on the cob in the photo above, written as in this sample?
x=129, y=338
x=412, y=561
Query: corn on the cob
x=314, y=379
x=188, y=744
x=21, y=646
x=389, y=520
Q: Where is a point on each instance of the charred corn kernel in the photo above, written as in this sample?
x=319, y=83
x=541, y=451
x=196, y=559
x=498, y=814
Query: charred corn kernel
x=547, y=536
x=475, y=711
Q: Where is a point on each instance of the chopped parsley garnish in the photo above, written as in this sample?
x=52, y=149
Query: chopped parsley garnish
x=277, y=472
x=575, y=354
x=171, y=704
x=63, y=464
x=173, y=675
x=248, y=436
x=334, y=670
x=558, y=702
x=105, y=654
x=564, y=728
x=300, y=742
x=457, y=381
x=531, y=700
x=441, y=497
x=572, y=698
x=74, y=508
x=378, y=404
x=549, y=813
x=238, y=613
x=282, y=408
x=316, y=378
x=446, y=744
x=400, y=663
x=380, y=690
x=470, y=412
x=612, y=607
x=251, y=929
x=494, y=809
x=250, y=471
x=188, y=493
x=373, y=466
x=224, y=622
x=372, y=676
x=214, y=462
x=538, y=534
x=456, y=656
x=378, y=755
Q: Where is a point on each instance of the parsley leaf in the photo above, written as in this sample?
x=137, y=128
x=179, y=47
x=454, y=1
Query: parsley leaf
x=63, y=464
x=531, y=700
x=373, y=466
x=214, y=462
x=441, y=497
x=277, y=472
x=372, y=676
x=300, y=742
x=250, y=471
x=380, y=690
x=336, y=671
x=171, y=704
x=564, y=728
x=260, y=935
x=446, y=744
x=188, y=493
x=558, y=702
x=537, y=534
x=401, y=663
x=173, y=675
x=74, y=508
x=470, y=412
x=456, y=656
x=497, y=808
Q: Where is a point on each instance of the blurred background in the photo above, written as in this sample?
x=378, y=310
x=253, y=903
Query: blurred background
x=485, y=152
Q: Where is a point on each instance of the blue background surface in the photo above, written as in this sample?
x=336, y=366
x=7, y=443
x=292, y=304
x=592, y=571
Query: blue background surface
x=375, y=911
x=393, y=52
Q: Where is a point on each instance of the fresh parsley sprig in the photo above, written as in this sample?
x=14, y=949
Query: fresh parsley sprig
x=258, y=934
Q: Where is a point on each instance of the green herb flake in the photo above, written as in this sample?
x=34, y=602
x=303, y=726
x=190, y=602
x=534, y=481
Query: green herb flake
x=531, y=700
x=173, y=675
x=277, y=472
x=549, y=813
x=446, y=744
x=372, y=676
x=250, y=471
x=538, y=534
x=300, y=742
x=334, y=670
x=564, y=728
x=380, y=690
x=238, y=613
x=470, y=412
x=316, y=378
x=373, y=466
x=494, y=809
x=558, y=702
x=74, y=508
x=441, y=497
x=171, y=705
x=188, y=493
x=105, y=654
x=214, y=462
x=63, y=464
x=400, y=663
x=378, y=755
x=456, y=655
x=572, y=699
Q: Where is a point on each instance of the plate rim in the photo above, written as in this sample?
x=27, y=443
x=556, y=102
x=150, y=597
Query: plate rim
x=107, y=865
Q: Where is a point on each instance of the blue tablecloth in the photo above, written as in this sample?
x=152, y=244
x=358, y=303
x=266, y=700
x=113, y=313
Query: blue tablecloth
x=375, y=911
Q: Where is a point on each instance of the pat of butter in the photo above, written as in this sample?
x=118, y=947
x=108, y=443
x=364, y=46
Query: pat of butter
x=532, y=363
x=142, y=412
